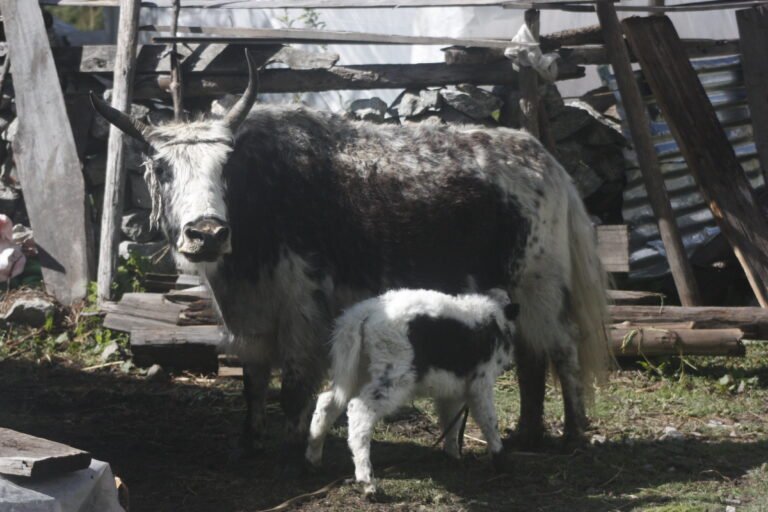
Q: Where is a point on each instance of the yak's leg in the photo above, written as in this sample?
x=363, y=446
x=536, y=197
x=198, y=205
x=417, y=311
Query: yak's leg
x=447, y=411
x=531, y=376
x=326, y=413
x=484, y=413
x=255, y=385
x=299, y=385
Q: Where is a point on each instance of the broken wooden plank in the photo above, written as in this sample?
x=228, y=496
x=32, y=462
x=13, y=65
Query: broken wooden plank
x=613, y=247
x=376, y=76
x=35, y=457
x=188, y=295
x=708, y=152
x=628, y=297
x=653, y=341
x=189, y=348
x=46, y=157
x=753, y=33
x=187, y=281
x=638, y=123
x=704, y=317
x=114, y=181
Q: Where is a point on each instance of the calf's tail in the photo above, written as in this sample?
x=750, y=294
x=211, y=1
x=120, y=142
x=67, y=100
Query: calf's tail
x=590, y=304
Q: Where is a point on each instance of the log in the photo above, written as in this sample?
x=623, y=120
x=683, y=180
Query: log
x=753, y=35
x=592, y=34
x=35, y=457
x=114, y=185
x=653, y=341
x=704, y=317
x=637, y=119
x=380, y=76
x=704, y=144
x=46, y=157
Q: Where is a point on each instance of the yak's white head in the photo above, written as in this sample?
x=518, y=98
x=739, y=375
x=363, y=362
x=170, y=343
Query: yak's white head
x=184, y=170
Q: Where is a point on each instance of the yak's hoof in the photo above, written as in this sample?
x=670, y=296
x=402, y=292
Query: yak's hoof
x=525, y=439
x=574, y=441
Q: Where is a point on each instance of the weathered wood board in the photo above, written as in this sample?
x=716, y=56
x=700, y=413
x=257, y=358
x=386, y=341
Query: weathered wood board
x=613, y=247
x=46, y=156
x=753, y=33
x=190, y=348
x=705, y=317
x=35, y=457
x=654, y=341
x=629, y=297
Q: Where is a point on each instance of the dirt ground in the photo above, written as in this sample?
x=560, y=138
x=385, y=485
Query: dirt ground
x=169, y=442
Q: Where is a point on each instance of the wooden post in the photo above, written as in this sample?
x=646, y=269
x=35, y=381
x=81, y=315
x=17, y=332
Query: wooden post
x=753, y=34
x=703, y=142
x=637, y=120
x=529, y=84
x=176, y=77
x=46, y=158
x=114, y=185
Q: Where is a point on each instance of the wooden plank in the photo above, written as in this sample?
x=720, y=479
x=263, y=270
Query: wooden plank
x=189, y=348
x=305, y=36
x=704, y=144
x=704, y=317
x=35, y=457
x=753, y=34
x=652, y=341
x=529, y=84
x=120, y=321
x=187, y=281
x=630, y=297
x=637, y=120
x=613, y=247
x=114, y=185
x=379, y=76
x=46, y=157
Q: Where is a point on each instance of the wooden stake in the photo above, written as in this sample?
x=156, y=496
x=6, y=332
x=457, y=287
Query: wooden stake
x=753, y=34
x=114, y=185
x=529, y=84
x=704, y=144
x=637, y=119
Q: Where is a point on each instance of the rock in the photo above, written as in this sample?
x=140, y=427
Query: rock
x=472, y=101
x=370, y=109
x=159, y=254
x=138, y=192
x=156, y=373
x=32, y=311
x=111, y=349
x=135, y=226
x=568, y=122
x=220, y=106
x=412, y=104
x=671, y=434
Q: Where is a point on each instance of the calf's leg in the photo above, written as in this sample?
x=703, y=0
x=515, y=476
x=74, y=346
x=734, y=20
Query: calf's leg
x=531, y=376
x=484, y=413
x=326, y=413
x=299, y=384
x=255, y=385
x=447, y=411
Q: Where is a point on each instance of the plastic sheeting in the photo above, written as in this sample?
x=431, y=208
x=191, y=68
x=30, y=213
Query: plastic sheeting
x=88, y=490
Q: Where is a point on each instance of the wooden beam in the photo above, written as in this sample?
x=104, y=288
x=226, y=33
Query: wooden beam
x=380, y=76
x=654, y=341
x=35, y=457
x=704, y=144
x=637, y=120
x=753, y=34
x=703, y=317
x=122, y=89
x=46, y=157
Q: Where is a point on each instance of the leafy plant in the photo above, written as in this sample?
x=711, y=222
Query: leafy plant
x=130, y=275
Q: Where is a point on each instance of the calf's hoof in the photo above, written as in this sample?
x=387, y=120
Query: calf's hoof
x=371, y=492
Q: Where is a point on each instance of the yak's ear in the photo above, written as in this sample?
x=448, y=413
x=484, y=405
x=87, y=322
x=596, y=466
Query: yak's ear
x=239, y=110
x=128, y=124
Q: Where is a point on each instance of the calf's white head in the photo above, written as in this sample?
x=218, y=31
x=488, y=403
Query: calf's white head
x=184, y=168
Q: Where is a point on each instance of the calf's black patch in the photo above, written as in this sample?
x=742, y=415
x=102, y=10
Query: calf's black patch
x=448, y=344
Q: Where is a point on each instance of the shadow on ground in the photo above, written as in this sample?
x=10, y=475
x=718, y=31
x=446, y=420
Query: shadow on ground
x=169, y=443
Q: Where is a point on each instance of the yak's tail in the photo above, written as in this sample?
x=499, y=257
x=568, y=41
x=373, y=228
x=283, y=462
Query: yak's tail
x=346, y=349
x=590, y=303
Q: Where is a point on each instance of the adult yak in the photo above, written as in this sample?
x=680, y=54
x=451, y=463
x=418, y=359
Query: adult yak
x=291, y=215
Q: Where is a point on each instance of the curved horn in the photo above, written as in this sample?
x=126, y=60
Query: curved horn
x=124, y=122
x=239, y=110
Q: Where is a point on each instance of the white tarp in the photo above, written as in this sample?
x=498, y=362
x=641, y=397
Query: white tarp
x=88, y=490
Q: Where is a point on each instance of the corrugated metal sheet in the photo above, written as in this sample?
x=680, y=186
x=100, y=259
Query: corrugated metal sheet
x=722, y=79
